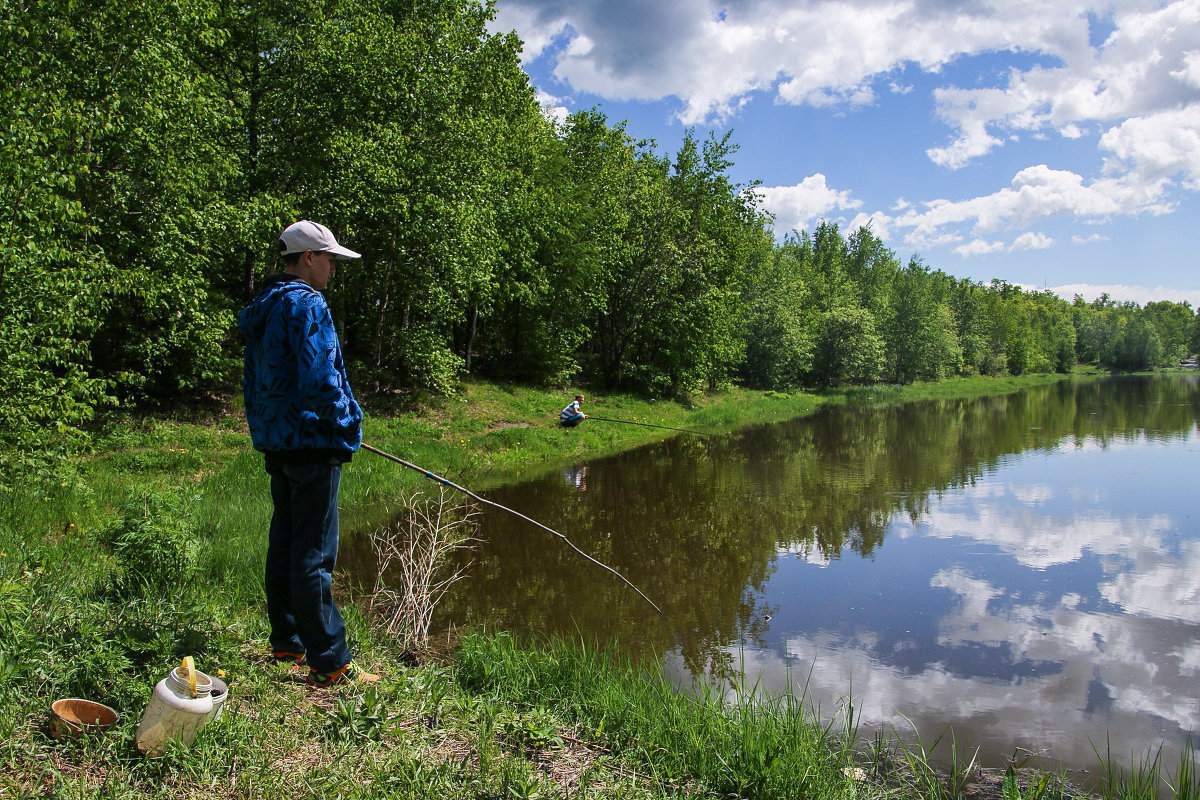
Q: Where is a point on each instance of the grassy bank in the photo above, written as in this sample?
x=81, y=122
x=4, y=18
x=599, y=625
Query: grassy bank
x=151, y=548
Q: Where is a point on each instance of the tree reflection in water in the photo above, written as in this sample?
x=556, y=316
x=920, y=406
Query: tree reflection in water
x=788, y=523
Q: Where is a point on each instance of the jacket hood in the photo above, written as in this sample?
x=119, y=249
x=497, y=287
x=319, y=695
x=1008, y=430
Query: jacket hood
x=252, y=320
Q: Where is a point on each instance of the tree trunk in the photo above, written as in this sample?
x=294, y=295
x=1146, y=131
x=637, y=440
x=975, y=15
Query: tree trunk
x=252, y=134
x=471, y=336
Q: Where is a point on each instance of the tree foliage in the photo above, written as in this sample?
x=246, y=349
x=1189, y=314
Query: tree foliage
x=151, y=152
x=53, y=281
x=1124, y=336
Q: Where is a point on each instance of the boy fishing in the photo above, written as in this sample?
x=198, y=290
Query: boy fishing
x=572, y=415
x=304, y=418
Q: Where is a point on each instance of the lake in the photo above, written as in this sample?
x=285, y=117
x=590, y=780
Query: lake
x=1024, y=569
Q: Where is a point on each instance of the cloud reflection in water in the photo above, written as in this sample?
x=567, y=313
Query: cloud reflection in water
x=1053, y=601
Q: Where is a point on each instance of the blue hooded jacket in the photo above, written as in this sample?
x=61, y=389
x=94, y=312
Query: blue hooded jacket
x=298, y=401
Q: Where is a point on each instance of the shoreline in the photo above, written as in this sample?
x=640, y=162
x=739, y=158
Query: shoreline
x=491, y=434
x=85, y=618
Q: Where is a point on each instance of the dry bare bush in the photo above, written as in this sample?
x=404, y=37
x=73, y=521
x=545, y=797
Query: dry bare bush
x=415, y=557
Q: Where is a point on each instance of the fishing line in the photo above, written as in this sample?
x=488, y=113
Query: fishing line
x=469, y=493
x=648, y=425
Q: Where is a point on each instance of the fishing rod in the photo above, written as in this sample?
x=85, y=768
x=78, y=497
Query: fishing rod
x=469, y=493
x=648, y=425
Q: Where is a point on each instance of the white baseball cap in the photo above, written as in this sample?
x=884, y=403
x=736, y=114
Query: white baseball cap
x=306, y=235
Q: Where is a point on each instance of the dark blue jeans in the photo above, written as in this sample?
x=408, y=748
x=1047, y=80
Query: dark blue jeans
x=301, y=553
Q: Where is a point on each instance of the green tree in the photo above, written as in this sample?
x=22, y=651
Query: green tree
x=53, y=281
x=1136, y=344
x=156, y=121
x=1054, y=332
x=873, y=269
x=1173, y=322
x=847, y=344
x=621, y=203
x=848, y=348
x=779, y=347
x=823, y=257
x=414, y=110
x=546, y=290
x=697, y=338
x=921, y=337
x=1094, y=329
x=969, y=308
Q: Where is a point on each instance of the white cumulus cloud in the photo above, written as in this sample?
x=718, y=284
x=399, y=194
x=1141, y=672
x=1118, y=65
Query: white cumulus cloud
x=1133, y=98
x=1036, y=193
x=1031, y=241
x=1159, y=146
x=1128, y=293
x=978, y=247
x=1142, y=70
x=709, y=55
x=798, y=207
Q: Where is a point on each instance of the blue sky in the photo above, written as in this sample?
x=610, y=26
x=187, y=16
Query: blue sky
x=1054, y=145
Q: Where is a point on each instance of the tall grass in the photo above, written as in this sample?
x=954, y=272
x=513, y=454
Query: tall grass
x=742, y=746
x=1147, y=777
x=927, y=779
x=1185, y=782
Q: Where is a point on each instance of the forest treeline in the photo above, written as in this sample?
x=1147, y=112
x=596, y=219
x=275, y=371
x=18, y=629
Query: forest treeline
x=150, y=152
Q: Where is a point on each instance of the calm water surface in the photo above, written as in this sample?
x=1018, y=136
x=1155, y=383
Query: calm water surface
x=1024, y=569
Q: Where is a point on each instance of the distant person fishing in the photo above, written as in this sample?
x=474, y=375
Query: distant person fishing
x=573, y=414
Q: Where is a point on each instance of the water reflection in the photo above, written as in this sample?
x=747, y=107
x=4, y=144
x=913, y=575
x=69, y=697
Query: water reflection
x=1021, y=567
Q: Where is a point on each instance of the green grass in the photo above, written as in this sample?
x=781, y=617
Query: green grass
x=739, y=746
x=496, y=432
x=1147, y=777
x=951, y=388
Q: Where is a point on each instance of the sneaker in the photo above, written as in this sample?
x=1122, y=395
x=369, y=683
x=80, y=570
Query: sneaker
x=289, y=660
x=342, y=676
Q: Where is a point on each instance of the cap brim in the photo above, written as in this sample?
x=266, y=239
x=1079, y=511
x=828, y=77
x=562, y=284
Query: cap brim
x=343, y=252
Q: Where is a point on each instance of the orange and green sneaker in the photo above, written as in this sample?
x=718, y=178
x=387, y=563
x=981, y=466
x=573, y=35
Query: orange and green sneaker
x=283, y=658
x=347, y=675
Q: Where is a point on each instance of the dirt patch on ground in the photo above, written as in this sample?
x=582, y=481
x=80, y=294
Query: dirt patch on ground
x=499, y=426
